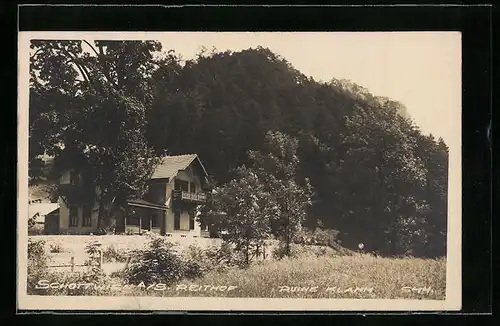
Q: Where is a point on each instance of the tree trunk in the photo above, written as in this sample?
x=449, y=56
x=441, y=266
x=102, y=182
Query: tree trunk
x=288, y=251
x=247, y=253
x=101, y=214
x=286, y=230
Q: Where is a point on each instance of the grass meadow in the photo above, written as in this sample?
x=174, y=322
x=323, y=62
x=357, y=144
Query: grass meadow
x=311, y=274
x=355, y=277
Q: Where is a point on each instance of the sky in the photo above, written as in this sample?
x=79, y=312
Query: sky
x=422, y=70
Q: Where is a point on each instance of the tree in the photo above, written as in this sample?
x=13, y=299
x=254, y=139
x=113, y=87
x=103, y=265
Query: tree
x=277, y=170
x=435, y=157
x=88, y=110
x=361, y=152
x=380, y=178
x=241, y=210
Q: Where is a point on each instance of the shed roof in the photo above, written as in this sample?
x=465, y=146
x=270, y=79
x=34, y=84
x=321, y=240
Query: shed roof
x=42, y=208
x=171, y=165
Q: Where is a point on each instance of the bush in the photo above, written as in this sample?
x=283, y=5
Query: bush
x=31, y=222
x=37, y=264
x=303, y=251
x=55, y=248
x=159, y=262
x=279, y=251
x=36, y=229
x=37, y=258
x=111, y=254
x=321, y=237
x=198, y=261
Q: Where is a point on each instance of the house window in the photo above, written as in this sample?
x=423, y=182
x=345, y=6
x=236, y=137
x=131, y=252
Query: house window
x=192, y=187
x=191, y=221
x=177, y=220
x=181, y=185
x=73, y=216
x=87, y=216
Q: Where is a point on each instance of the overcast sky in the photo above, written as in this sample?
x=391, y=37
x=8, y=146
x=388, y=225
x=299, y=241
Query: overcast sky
x=420, y=70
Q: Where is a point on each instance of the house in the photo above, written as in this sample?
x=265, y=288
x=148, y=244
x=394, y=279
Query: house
x=175, y=190
x=45, y=216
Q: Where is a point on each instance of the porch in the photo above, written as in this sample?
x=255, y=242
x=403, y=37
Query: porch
x=142, y=216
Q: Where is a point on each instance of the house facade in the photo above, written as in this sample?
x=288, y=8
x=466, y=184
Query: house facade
x=169, y=207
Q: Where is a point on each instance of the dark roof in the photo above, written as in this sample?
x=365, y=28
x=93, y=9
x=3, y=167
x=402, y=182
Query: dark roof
x=146, y=203
x=171, y=165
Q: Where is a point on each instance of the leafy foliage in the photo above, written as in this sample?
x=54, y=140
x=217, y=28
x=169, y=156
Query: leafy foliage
x=317, y=236
x=37, y=263
x=277, y=169
x=159, y=262
x=88, y=110
x=200, y=261
x=112, y=254
x=242, y=211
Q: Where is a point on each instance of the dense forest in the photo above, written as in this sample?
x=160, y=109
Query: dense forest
x=374, y=175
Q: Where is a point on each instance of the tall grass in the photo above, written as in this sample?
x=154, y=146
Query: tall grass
x=318, y=273
x=333, y=277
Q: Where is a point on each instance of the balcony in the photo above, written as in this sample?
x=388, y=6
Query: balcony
x=184, y=196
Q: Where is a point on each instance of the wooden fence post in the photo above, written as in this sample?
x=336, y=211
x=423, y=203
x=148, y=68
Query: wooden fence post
x=100, y=258
x=72, y=264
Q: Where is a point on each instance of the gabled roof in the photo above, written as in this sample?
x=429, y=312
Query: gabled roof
x=42, y=208
x=171, y=165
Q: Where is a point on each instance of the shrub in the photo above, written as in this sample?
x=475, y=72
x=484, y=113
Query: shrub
x=302, y=251
x=111, y=254
x=322, y=237
x=195, y=262
x=36, y=250
x=159, y=262
x=55, y=248
x=198, y=261
x=31, y=222
x=280, y=251
x=37, y=263
x=35, y=229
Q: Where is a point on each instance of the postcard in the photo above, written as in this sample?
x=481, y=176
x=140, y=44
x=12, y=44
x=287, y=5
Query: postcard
x=231, y=171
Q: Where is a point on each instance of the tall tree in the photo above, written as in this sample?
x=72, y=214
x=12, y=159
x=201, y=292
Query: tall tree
x=241, y=210
x=277, y=170
x=88, y=110
x=381, y=177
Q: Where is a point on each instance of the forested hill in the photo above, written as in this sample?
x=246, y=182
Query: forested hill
x=221, y=105
x=375, y=176
x=365, y=159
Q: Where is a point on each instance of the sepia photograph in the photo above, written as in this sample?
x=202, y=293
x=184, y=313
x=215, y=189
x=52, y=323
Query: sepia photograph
x=239, y=171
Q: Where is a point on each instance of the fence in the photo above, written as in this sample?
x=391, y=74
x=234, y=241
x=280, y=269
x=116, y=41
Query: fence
x=71, y=260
